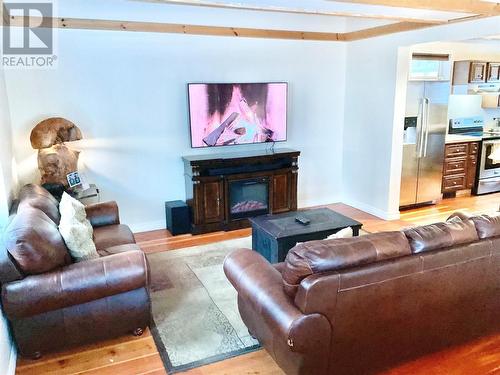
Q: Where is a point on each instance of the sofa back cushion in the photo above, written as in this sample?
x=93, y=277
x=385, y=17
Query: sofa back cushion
x=440, y=235
x=34, y=242
x=330, y=255
x=37, y=197
x=487, y=226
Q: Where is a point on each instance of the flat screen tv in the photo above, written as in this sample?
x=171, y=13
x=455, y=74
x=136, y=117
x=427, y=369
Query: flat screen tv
x=224, y=114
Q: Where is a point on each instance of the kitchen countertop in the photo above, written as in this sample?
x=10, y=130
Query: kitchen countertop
x=459, y=138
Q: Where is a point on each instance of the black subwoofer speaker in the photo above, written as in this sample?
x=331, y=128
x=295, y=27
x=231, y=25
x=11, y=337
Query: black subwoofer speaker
x=177, y=213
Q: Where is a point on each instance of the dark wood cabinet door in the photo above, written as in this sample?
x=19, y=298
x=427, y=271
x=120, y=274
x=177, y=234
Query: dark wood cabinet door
x=478, y=72
x=282, y=200
x=212, y=201
x=493, y=72
x=471, y=171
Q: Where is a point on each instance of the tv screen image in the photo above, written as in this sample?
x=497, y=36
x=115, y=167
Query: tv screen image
x=237, y=113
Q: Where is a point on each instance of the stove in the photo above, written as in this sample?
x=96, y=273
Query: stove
x=491, y=133
x=488, y=172
x=488, y=166
x=472, y=126
x=463, y=125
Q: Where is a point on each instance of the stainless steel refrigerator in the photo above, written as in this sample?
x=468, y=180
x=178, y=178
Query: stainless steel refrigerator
x=426, y=124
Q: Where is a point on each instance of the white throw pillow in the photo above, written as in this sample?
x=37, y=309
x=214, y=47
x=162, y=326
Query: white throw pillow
x=76, y=229
x=343, y=233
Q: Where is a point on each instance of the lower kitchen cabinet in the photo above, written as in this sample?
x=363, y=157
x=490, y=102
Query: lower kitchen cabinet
x=459, y=168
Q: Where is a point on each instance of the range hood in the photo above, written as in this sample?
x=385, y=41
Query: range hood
x=485, y=88
x=490, y=93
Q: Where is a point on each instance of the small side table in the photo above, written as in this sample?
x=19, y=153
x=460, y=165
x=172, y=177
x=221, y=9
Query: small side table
x=88, y=196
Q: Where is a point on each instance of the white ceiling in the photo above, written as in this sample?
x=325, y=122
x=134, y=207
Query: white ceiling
x=332, y=6
x=493, y=40
x=160, y=11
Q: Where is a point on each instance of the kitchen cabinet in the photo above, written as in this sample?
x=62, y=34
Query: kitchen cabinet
x=471, y=171
x=459, y=168
x=491, y=101
x=493, y=72
x=477, y=72
x=465, y=72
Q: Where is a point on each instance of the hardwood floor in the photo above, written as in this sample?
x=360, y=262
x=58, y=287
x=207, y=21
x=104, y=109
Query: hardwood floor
x=138, y=355
x=124, y=355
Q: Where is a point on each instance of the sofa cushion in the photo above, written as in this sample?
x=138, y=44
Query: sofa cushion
x=76, y=229
x=329, y=255
x=31, y=190
x=43, y=204
x=440, y=235
x=487, y=226
x=34, y=242
x=37, y=197
x=112, y=235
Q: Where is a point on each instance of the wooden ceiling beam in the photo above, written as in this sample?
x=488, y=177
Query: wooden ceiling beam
x=381, y=30
x=276, y=9
x=154, y=27
x=170, y=28
x=461, y=6
x=396, y=28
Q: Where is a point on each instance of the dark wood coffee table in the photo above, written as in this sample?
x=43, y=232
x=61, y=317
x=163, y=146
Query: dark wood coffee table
x=274, y=235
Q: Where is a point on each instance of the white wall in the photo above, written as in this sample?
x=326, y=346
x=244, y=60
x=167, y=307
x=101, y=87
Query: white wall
x=7, y=349
x=127, y=92
x=7, y=180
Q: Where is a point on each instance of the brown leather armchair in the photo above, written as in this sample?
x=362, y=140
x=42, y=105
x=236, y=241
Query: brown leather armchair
x=53, y=303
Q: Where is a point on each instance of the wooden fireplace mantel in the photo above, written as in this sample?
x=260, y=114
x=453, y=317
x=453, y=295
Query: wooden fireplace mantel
x=208, y=177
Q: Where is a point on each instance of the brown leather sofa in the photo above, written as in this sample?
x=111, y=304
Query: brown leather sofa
x=53, y=303
x=362, y=305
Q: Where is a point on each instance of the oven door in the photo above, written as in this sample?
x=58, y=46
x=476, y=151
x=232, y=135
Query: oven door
x=490, y=159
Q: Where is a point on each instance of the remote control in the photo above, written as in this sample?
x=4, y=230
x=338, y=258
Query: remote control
x=302, y=220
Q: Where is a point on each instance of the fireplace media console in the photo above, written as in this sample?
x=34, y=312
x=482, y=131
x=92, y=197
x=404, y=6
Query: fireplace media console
x=224, y=190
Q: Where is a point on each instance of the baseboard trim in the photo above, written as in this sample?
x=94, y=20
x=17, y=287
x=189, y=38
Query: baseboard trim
x=386, y=215
x=308, y=203
x=147, y=226
x=160, y=224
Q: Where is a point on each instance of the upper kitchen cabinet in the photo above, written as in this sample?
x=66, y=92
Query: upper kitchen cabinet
x=493, y=72
x=465, y=72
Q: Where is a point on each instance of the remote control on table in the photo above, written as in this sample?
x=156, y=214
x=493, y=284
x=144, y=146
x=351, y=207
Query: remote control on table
x=302, y=220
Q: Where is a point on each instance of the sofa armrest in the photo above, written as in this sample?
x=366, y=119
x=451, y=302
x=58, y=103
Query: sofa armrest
x=100, y=214
x=75, y=284
x=260, y=285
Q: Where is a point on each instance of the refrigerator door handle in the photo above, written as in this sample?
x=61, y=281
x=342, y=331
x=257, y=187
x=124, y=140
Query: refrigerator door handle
x=426, y=131
x=420, y=129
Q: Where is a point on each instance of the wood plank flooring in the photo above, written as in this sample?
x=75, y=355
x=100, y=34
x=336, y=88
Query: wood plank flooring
x=138, y=355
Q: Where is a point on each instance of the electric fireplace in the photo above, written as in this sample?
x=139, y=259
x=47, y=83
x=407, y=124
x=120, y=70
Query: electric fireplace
x=224, y=190
x=249, y=197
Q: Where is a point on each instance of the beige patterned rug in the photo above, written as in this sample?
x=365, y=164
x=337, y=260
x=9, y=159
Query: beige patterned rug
x=195, y=312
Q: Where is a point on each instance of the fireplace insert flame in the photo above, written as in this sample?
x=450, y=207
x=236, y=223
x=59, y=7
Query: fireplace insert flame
x=248, y=198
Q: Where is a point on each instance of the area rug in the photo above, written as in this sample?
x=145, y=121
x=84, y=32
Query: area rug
x=195, y=312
